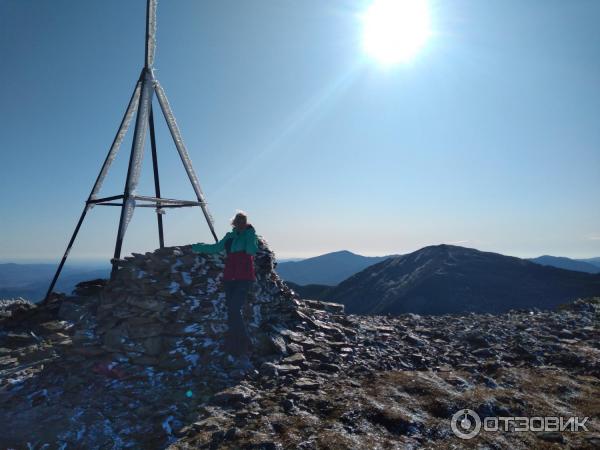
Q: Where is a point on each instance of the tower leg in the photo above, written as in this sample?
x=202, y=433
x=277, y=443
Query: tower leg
x=183, y=154
x=67, y=251
x=161, y=239
x=135, y=161
x=112, y=153
x=118, y=140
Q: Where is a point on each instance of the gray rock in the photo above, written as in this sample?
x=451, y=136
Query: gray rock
x=296, y=358
x=306, y=385
x=272, y=369
x=233, y=395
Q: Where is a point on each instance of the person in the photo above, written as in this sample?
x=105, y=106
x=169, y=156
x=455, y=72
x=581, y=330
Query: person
x=241, y=245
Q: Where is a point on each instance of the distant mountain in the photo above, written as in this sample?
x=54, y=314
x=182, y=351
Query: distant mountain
x=12, y=274
x=449, y=279
x=593, y=261
x=31, y=281
x=329, y=269
x=566, y=263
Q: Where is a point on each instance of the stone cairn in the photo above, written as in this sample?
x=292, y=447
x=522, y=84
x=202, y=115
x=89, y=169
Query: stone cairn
x=130, y=361
x=167, y=309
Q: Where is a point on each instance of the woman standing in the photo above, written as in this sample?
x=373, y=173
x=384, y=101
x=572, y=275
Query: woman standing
x=241, y=245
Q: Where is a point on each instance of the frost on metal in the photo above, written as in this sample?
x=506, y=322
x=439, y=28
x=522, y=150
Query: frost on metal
x=129, y=208
x=179, y=144
x=140, y=137
x=141, y=101
x=151, y=38
x=114, y=149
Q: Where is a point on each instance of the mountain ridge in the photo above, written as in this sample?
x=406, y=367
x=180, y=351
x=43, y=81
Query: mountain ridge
x=445, y=279
x=328, y=269
x=562, y=262
x=31, y=280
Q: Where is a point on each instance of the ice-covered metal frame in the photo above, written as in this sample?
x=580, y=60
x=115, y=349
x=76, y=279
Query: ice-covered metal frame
x=141, y=102
x=150, y=32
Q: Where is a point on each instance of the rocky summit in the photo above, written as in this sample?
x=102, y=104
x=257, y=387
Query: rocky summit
x=136, y=362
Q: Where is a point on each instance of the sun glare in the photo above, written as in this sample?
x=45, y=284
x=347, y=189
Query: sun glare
x=395, y=30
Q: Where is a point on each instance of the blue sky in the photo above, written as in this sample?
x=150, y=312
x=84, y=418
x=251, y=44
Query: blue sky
x=488, y=138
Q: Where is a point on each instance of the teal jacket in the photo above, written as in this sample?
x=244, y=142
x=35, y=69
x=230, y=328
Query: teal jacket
x=244, y=241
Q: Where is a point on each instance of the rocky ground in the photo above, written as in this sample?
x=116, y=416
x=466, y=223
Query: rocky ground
x=137, y=363
x=381, y=382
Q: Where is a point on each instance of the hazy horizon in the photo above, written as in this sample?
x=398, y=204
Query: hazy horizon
x=487, y=137
x=100, y=261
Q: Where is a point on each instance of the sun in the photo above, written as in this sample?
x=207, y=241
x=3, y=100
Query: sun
x=395, y=30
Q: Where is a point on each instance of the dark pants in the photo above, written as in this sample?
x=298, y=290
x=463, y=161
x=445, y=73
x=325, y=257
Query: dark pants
x=237, y=341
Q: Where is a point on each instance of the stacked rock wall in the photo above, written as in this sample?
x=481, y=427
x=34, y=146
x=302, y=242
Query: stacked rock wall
x=126, y=363
x=167, y=309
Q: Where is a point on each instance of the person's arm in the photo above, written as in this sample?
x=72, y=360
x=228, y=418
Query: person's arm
x=210, y=248
x=251, y=242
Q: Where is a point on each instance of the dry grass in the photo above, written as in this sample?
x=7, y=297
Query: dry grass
x=412, y=409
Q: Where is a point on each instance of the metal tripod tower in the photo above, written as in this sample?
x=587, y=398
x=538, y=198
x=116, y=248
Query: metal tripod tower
x=141, y=103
